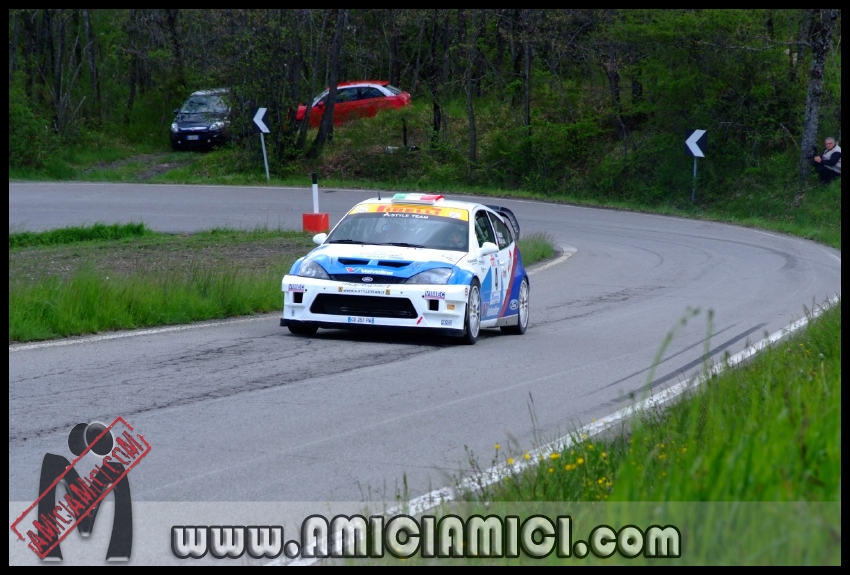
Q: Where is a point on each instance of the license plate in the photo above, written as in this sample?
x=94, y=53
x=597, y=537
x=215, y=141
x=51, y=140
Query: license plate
x=192, y=138
x=353, y=319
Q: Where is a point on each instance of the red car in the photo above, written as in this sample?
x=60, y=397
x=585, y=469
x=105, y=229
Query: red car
x=360, y=99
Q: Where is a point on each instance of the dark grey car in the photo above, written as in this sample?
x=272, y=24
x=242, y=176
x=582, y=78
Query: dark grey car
x=203, y=121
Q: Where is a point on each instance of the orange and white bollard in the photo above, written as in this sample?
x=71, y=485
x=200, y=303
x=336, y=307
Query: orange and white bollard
x=316, y=222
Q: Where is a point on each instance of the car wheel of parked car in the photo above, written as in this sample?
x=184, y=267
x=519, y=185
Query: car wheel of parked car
x=302, y=328
x=472, y=325
x=522, y=312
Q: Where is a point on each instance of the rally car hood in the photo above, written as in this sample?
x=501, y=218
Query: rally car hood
x=381, y=260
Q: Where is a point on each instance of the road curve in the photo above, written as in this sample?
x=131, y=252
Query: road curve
x=241, y=410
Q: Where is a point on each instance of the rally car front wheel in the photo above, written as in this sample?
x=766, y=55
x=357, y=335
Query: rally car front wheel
x=472, y=323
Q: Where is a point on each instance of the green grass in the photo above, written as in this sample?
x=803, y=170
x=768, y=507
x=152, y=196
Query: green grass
x=766, y=431
x=747, y=467
x=77, y=234
x=91, y=301
x=536, y=247
x=75, y=281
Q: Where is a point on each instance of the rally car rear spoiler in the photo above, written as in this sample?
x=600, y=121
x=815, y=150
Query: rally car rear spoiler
x=508, y=215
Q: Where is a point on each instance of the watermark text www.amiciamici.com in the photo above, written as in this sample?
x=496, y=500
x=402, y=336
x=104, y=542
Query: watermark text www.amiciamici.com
x=403, y=536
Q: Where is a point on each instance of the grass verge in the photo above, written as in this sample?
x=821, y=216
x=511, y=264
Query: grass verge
x=744, y=470
x=89, y=301
x=77, y=234
x=767, y=433
x=75, y=281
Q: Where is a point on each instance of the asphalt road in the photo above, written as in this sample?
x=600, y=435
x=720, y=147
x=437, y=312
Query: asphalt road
x=244, y=411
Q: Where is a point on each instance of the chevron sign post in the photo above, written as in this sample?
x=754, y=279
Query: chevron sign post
x=261, y=125
x=695, y=143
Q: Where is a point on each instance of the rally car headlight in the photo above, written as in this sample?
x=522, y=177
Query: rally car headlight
x=310, y=269
x=174, y=127
x=434, y=276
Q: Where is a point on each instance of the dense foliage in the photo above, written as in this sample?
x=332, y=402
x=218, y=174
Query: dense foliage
x=569, y=102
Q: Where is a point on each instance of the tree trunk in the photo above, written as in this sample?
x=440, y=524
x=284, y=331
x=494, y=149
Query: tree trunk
x=90, y=55
x=326, y=127
x=479, y=56
x=610, y=57
x=447, y=30
x=516, y=26
x=171, y=15
x=472, y=59
x=132, y=33
x=317, y=51
x=395, y=43
x=418, y=52
x=501, y=15
x=294, y=75
x=47, y=47
x=820, y=39
x=613, y=73
x=13, y=46
x=802, y=40
x=526, y=70
x=56, y=92
x=435, y=83
x=30, y=52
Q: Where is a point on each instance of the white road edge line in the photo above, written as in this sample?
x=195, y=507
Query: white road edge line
x=568, y=251
x=135, y=333
x=421, y=504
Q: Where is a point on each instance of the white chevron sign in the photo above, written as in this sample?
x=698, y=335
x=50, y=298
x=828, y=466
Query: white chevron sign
x=260, y=120
x=696, y=142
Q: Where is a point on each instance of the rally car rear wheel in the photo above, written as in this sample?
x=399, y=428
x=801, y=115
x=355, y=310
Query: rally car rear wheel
x=472, y=324
x=522, y=312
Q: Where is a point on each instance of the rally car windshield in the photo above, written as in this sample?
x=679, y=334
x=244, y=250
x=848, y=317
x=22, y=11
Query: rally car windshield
x=404, y=230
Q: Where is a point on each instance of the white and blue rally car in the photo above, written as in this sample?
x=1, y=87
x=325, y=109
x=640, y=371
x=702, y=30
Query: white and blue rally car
x=415, y=261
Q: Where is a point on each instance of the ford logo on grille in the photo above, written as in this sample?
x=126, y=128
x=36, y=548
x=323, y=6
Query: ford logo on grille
x=366, y=279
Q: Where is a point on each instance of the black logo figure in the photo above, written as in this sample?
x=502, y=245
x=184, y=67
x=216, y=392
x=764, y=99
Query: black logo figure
x=82, y=494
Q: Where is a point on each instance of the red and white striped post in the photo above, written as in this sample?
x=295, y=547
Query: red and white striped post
x=316, y=222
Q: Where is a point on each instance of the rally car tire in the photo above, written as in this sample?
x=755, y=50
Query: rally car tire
x=472, y=323
x=522, y=312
